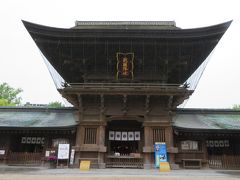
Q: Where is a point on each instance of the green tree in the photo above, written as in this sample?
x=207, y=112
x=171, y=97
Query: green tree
x=9, y=96
x=55, y=104
x=236, y=107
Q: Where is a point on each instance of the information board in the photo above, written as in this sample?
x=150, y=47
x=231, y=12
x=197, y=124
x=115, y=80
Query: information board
x=63, y=151
x=160, y=150
x=72, y=156
x=2, y=152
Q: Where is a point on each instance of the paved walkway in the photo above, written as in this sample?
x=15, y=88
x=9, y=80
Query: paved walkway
x=37, y=173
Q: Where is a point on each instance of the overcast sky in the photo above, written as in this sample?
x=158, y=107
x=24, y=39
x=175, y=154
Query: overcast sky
x=21, y=64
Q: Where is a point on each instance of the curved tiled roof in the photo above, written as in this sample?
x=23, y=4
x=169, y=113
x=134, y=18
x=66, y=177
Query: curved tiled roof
x=188, y=119
x=207, y=119
x=37, y=117
x=87, y=53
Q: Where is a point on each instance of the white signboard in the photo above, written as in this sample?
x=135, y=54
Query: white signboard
x=137, y=135
x=32, y=140
x=63, y=151
x=72, y=156
x=2, y=152
x=124, y=136
x=189, y=145
x=130, y=136
x=217, y=143
x=194, y=145
x=226, y=142
x=118, y=136
x=111, y=135
x=47, y=153
x=185, y=145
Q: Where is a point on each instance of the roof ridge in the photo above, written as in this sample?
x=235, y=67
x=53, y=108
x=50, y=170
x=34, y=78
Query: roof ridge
x=153, y=23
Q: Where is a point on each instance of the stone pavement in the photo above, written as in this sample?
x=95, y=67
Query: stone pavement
x=37, y=173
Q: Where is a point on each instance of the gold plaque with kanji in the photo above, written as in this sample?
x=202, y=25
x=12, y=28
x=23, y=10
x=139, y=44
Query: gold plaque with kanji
x=125, y=65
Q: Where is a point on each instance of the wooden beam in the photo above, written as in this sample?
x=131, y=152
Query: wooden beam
x=147, y=104
x=124, y=109
x=80, y=107
x=170, y=102
x=80, y=103
x=102, y=104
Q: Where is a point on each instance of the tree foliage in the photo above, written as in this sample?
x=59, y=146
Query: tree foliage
x=236, y=106
x=9, y=96
x=55, y=104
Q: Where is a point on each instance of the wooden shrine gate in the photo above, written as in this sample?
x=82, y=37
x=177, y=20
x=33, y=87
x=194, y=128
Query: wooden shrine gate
x=24, y=158
x=224, y=161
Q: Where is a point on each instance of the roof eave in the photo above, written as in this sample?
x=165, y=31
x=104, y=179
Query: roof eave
x=204, y=130
x=36, y=29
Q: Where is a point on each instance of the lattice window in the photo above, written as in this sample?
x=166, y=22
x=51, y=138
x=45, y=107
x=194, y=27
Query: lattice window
x=158, y=135
x=90, y=135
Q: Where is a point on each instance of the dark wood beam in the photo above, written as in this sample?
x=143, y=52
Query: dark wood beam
x=124, y=109
x=147, y=104
x=170, y=102
x=102, y=104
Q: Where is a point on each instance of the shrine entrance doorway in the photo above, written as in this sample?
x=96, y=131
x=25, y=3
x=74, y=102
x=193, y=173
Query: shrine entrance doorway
x=124, y=139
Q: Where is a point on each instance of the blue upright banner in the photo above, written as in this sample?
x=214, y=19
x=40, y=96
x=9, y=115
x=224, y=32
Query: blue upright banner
x=160, y=149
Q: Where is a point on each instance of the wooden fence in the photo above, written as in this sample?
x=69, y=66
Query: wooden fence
x=124, y=162
x=224, y=161
x=24, y=158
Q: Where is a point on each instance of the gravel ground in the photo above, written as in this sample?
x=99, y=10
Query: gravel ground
x=37, y=173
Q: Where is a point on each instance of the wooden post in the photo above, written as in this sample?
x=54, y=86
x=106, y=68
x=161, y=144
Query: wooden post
x=169, y=143
x=79, y=142
x=102, y=148
x=147, y=149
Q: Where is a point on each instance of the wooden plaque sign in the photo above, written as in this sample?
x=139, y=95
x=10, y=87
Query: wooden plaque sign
x=125, y=65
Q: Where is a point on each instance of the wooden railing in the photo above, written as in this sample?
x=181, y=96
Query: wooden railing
x=125, y=84
x=192, y=163
x=189, y=155
x=113, y=88
x=124, y=162
x=224, y=161
x=24, y=158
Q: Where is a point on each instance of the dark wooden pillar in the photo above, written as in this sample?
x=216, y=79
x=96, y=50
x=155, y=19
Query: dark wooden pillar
x=169, y=143
x=172, y=151
x=102, y=147
x=79, y=142
x=148, y=147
